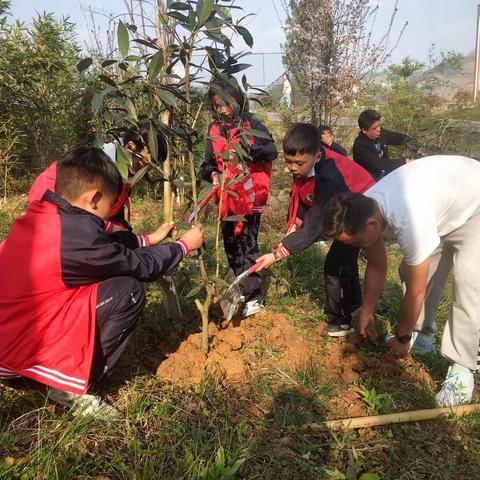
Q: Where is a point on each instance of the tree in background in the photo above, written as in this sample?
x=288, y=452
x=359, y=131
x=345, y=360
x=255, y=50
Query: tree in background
x=331, y=51
x=40, y=86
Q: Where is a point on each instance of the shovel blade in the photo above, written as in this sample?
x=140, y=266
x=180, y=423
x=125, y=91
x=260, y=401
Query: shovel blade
x=231, y=297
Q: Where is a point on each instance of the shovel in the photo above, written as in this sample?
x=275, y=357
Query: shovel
x=233, y=295
x=189, y=215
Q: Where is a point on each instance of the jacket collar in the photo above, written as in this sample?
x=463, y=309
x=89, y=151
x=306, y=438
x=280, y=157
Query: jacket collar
x=65, y=206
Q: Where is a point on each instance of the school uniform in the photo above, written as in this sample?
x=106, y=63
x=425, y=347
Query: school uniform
x=250, y=192
x=73, y=295
x=373, y=155
x=333, y=174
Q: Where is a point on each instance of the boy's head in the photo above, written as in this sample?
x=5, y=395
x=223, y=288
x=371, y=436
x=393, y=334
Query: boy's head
x=301, y=149
x=137, y=143
x=326, y=134
x=225, y=99
x=87, y=178
x=352, y=218
x=369, y=122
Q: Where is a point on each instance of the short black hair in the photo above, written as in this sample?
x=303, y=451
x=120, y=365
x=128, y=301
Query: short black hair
x=82, y=167
x=301, y=138
x=324, y=128
x=140, y=139
x=367, y=118
x=229, y=93
x=347, y=212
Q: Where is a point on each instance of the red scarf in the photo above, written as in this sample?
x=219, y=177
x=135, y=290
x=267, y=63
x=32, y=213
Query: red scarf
x=303, y=190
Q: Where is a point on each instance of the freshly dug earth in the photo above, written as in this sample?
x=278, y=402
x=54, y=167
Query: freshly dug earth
x=241, y=350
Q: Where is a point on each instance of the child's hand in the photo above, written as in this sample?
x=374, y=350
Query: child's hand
x=193, y=237
x=161, y=233
x=292, y=229
x=267, y=261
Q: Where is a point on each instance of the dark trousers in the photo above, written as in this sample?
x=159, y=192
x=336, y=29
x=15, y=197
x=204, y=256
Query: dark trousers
x=342, y=285
x=120, y=301
x=242, y=251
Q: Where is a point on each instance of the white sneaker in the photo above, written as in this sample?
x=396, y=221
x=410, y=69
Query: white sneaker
x=252, y=307
x=457, y=387
x=339, y=330
x=84, y=405
x=423, y=343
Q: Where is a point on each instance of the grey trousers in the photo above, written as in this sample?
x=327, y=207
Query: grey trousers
x=459, y=253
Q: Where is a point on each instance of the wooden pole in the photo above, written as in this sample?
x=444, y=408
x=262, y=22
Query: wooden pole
x=400, y=417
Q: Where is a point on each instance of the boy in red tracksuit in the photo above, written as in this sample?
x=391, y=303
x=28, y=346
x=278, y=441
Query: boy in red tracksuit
x=74, y=295
x=118, y=222
x=318, y=175
x=230, y=127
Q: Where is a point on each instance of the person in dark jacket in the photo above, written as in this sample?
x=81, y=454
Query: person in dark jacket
x=249, y=180
x=318, y=175
x=370, y=149
x=328, y=140
x=72, y=303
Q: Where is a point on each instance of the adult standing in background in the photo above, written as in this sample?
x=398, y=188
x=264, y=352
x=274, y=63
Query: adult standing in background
x=287, y=91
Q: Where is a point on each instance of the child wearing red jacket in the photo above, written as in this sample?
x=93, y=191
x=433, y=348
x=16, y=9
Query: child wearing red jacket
x=74, y=295
x=229, y=132
x=318, y=175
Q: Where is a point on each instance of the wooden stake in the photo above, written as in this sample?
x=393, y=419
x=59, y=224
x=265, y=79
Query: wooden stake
x=401, y=417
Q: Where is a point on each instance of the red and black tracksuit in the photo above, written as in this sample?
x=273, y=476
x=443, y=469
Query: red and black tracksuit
x=250, y=193
x=73, y=296
x=333, y=174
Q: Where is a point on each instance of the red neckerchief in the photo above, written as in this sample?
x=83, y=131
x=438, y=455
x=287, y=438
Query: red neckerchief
x=303, y=190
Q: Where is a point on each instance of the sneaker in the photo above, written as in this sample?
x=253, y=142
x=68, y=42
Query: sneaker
x=423, y=343
x=457, y=387
x=84, y=405
x=340, y=330
x=252, y=307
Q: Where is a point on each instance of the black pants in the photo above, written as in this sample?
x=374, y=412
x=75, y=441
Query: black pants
x=242, y=251
x=342, y=285
x=120, y=301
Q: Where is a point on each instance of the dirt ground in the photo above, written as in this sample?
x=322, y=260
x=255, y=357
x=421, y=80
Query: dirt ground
x=240, y=350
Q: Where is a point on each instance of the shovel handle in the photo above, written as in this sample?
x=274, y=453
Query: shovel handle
x=254, y=267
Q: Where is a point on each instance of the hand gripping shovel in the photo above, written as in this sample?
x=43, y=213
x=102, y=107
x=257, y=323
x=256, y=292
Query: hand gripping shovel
x=189, y=215
x=233, y=295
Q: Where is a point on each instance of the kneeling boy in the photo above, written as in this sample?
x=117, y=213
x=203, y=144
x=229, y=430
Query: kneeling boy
x=318, y=175
x=74, y=295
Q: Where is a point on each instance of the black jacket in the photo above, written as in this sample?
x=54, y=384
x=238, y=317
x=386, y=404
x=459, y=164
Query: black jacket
x=373, y=154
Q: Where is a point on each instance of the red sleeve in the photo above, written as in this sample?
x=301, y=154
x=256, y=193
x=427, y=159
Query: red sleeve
x=45, y=181
x=356, y=178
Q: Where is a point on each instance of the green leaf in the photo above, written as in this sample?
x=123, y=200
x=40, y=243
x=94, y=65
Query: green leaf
x=122, y=38
x=204, y=9
x=179, y=6
x=83, y=64
x=107, y=63
x=155, y=66
x=131, y=108
x=246, y=35
x=167, y=97
x=196, y=290
x=257, y=133
x=152, y=142
x=133, y=58
x=369, y=476
x=139, y=175
x=123, y=161
x=234, y=218
x=107, y=80
x=238, y=67
x=97, y=101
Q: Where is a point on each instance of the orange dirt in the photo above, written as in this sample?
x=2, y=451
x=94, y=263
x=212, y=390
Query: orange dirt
x=241, y=350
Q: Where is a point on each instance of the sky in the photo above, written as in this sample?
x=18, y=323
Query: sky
x=450, y=25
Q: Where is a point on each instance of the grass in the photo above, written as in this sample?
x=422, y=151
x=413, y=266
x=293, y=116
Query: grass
x=254, y=431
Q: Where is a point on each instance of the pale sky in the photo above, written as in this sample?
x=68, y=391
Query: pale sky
x=449, y=24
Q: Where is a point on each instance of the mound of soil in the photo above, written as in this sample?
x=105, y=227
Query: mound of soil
x=241, y=350
x=237, y=350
